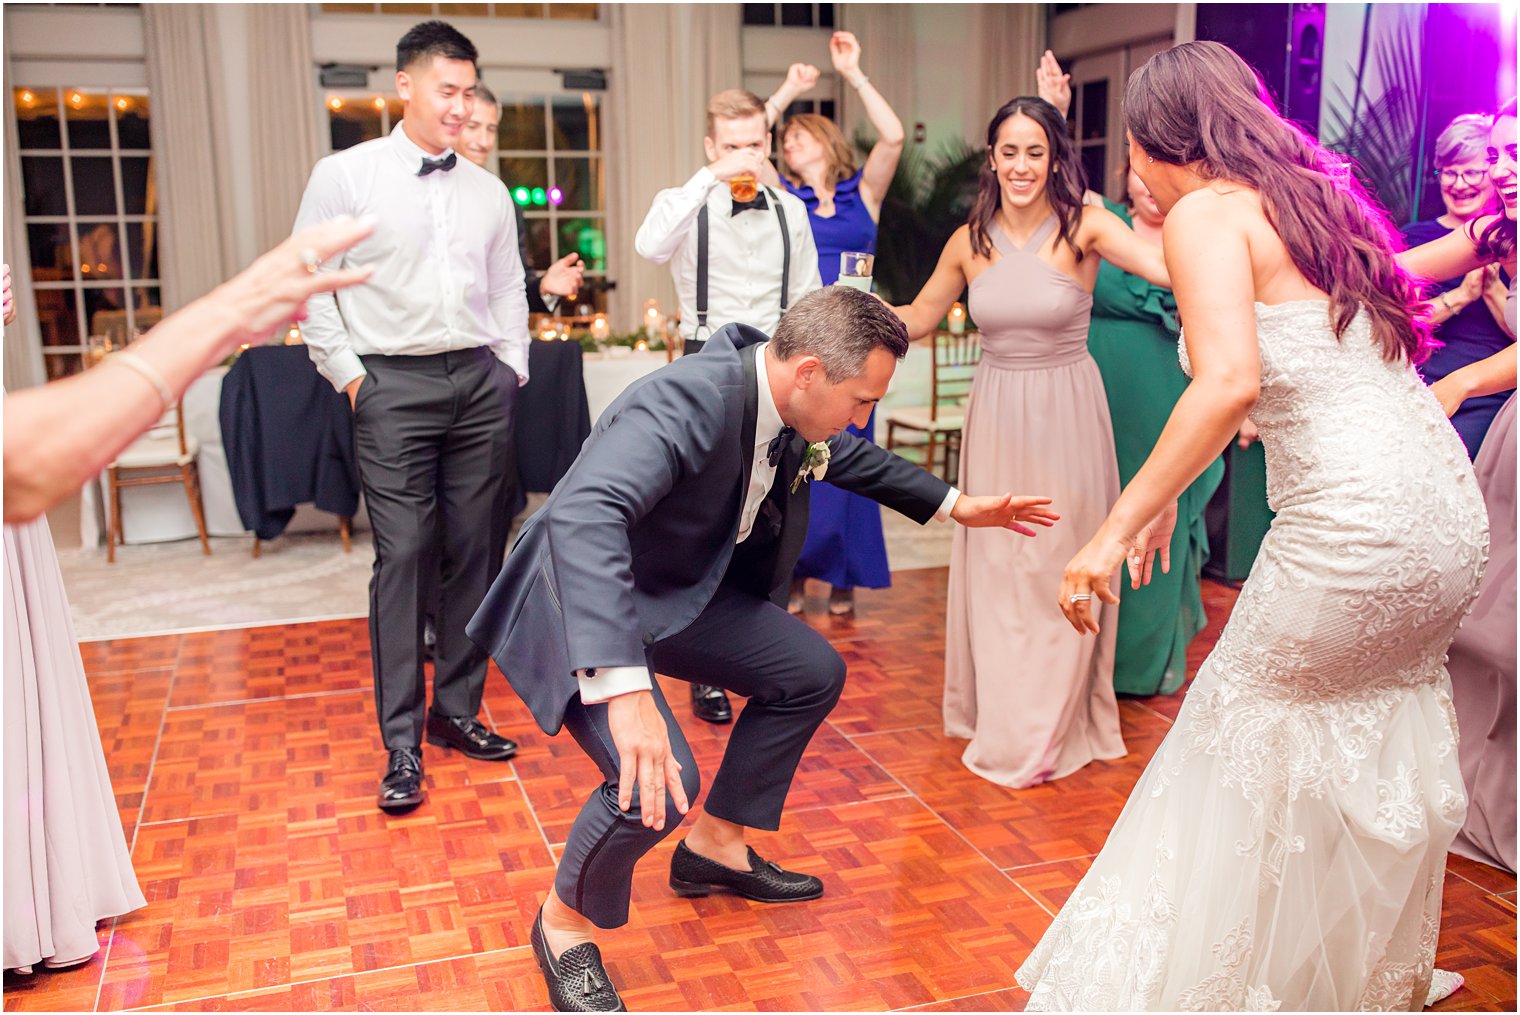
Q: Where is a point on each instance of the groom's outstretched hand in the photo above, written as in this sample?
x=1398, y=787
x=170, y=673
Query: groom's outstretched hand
x=644, y=757
x=1008, y=511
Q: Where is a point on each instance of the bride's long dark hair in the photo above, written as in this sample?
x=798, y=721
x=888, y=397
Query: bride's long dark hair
x=1201, y=105
x=1064, y=184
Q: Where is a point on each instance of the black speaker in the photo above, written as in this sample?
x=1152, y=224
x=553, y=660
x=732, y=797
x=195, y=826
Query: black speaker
x=1284, y=43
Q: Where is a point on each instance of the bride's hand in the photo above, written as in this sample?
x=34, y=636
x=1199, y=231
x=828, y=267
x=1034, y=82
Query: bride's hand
x=1155, y=538
x=1090, y=574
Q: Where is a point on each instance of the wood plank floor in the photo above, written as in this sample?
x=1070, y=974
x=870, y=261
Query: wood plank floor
x=245, y=764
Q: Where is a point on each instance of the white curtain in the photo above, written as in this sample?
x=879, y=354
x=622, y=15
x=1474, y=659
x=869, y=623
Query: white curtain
x=283, y=116
x=667, y=61
x=23, y=339
x=197, y=249
x=1006, y=43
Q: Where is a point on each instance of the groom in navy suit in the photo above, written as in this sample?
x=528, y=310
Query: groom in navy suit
x=668, y=547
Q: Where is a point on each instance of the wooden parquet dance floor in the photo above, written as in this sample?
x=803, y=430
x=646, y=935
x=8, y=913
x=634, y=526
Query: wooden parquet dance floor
x=245, y=765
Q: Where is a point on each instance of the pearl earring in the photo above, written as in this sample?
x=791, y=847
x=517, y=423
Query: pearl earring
x=1149, y=159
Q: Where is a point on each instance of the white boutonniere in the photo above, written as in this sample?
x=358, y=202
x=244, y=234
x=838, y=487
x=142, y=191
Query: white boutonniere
x=814, y=464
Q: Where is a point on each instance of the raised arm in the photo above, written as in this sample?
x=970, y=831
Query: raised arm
x=1106, y=235
x=881, y=164
x=59, y=435
x=944, y=286
x=1052, y=85
x=1210, y=262
x=800, y=79
x=1447, y=256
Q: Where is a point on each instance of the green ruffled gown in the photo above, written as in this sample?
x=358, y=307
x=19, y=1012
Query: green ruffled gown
x=1133, y=338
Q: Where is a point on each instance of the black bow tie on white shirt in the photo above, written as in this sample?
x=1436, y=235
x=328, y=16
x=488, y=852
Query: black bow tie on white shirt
x=429, y=165
x=778, y=445
x=758, y=203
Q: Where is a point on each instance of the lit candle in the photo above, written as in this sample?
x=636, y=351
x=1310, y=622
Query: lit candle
x=957, y=319
x=641, y=345
x=599, y=327
x=651, y=318
x=547, y=334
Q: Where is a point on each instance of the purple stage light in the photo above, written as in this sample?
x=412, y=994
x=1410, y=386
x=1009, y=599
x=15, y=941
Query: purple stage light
x=556, y=196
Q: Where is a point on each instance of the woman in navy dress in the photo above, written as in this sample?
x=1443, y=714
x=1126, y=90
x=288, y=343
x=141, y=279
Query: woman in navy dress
x=845, y=546
x=1468, y=311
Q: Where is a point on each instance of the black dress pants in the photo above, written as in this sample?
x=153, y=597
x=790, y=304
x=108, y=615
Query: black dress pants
x=743, y=643
x=433, y=439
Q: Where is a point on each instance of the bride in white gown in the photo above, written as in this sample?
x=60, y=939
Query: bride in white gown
x=1286, y=846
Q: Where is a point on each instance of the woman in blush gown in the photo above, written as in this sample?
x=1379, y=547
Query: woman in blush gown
x=1286, y=846
x=1035, y=703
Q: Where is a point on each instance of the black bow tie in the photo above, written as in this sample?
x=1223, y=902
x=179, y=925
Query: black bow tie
x=429, y=165
x=778, y=445
x=759, y=202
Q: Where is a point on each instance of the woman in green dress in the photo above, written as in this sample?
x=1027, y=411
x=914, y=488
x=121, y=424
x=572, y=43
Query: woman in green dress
x=1133, y=337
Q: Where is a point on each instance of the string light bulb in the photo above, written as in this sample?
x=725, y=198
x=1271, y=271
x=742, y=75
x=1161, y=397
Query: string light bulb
x=122, y=103
x=335, y=103
x=76, y=99
x=27, y=98
x=379, y=102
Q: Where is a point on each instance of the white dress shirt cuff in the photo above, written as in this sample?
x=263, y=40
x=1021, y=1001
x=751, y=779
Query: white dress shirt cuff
x=342, y=368
x=947, y=506
x=611, y=681
x=700, y=183
x=514, y=359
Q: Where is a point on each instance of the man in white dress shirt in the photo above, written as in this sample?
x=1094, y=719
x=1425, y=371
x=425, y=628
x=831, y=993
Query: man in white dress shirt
x=431, y=353
x=733, y=262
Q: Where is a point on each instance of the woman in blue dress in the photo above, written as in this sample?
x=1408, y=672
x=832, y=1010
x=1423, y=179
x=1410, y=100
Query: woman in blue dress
x=845, y=546
x=1468, y=311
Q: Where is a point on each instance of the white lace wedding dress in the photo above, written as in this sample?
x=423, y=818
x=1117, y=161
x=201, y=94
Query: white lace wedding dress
x=1286, y=846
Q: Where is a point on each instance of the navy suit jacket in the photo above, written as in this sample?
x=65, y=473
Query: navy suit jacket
x=633, y=542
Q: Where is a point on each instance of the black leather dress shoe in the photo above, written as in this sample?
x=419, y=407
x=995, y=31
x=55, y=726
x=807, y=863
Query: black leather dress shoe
x=401, y=789
x=693, y=875
x=577, y=980
x=711, y=704
x=469, y=736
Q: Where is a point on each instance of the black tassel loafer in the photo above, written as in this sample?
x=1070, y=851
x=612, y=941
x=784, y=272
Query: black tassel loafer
x=693, y=876
x=577, y=980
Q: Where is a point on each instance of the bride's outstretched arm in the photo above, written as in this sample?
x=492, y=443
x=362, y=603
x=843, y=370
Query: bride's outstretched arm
x=1210, y=267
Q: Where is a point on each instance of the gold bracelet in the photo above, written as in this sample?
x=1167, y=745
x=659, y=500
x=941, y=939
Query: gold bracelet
x=148, y=372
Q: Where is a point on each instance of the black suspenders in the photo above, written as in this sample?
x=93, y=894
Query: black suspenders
x=702, y=253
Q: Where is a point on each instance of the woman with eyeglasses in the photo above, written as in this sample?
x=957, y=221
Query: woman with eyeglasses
x=1468, y=311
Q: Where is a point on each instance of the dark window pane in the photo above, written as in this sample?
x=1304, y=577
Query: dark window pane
x=138, y=195
x=58, y=317
x=525, y=174
x=577, y=123
x=586, y=237
x=353, y=122
x=42, y=182
x=105, y=311
x=99, y=251
x=522, y=125
x=142, y=249
x=37, y=118
x=147, y=307
x=797, y=15
x=759, y=14
x=1094, y=164
x=580, y=183
x=538, y=243
x=88, y=117
x=61, y=365
x=826, y=108
x=132, y=122
x=1094, y=109
x=52, y=253
x=94, y=185
x=825, y=15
